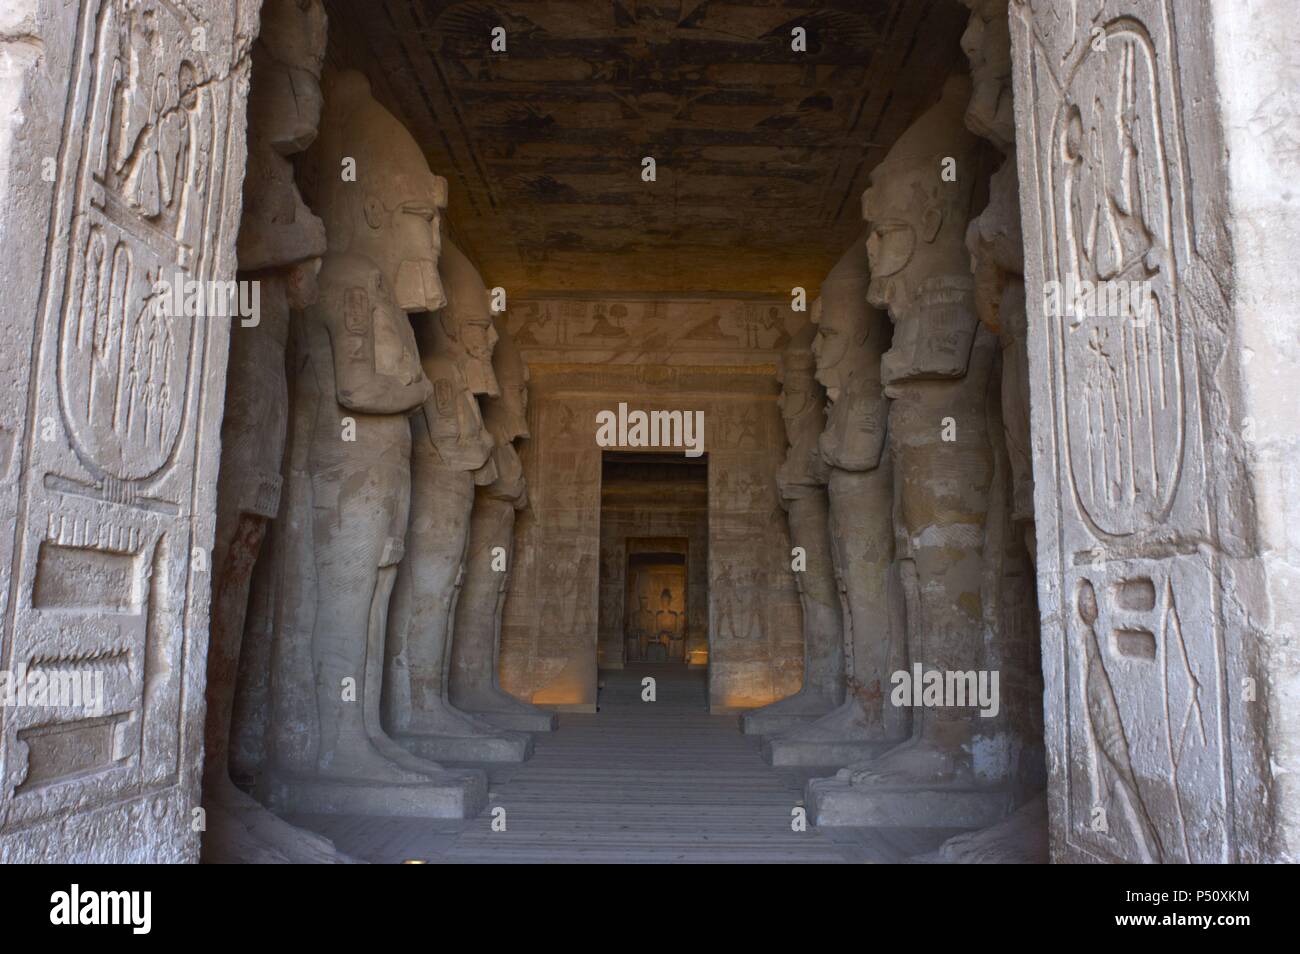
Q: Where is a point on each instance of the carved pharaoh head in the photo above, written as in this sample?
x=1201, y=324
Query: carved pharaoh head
x=844, y=323
x=987, y=44
x=801, y=401
x=287, y=61
x=917, y=209
x=506, y=415
x=284, y=111
x=465, y=330
x=392, y=211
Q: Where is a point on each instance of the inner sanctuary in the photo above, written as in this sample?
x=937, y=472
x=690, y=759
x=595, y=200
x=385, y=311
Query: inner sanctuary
x=649, y=431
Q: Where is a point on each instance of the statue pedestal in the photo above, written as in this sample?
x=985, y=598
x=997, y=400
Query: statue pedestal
x=787, y=715
x=502, y=710
x=841, y=737
x=838, y=802
x=503, y=747
x=445, y=795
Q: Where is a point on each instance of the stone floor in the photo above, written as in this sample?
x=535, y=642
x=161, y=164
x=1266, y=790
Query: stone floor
x=633, y=782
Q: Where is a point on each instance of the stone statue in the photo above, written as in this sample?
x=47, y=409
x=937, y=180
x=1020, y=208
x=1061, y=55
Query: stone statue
x=452, y=454
x=476, y=648
x=996, y=245
x=1010, y=608
x=358, y=379
x=279, y=246
x=801, y=481
x=851, y=336
x=936, y=372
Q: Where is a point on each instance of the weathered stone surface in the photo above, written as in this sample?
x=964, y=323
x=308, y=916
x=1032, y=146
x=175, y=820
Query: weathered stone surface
x=1159, y=440
x=476, y=646
x=1019, y=839
x=124, y=155
x=757, y=145
x=279, y=247
x=452, y=454
x=717, y=356
x=936, y=373
x=801, y=481
x=358, y=378
x=851, y=339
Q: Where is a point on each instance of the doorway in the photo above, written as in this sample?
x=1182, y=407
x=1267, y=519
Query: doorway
x=654, y=526
x=655, y=617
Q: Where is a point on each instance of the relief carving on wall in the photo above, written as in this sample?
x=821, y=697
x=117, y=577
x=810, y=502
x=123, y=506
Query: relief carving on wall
x=116, y=517
x=1136, y=733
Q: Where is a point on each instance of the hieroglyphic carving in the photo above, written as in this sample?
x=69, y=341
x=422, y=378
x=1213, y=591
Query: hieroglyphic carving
x=116, y=508
x=1132, y=659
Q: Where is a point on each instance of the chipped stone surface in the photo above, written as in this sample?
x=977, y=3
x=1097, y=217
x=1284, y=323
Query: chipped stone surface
x=358, y=380
x=1164, y=693
x=112, y=409
x=802, y=480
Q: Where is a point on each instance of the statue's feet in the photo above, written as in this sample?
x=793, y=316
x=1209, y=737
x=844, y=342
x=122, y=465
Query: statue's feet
x=410, y=763
x=917, y=763
x=240, y=830
x=847, y=721
x=501, y=710
x=447, y=720
x=377, y=760
x=805, y=702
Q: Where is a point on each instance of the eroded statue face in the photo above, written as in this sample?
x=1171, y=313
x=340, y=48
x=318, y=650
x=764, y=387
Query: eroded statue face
x=832, y=350
x=920, y=268
x=405, y=214
x=507, y=414
x=797, y=398
x=987, y=44
x=392, y=212
x=290, y=54
x=480, y=340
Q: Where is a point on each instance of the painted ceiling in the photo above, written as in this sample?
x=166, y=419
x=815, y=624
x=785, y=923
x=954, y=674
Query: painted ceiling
x=761, y=152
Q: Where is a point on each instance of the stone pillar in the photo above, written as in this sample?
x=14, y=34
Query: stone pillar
x=123, y=159
x=357, y=381
x=937, y=373
x=476, y=647
x=1164, y=435
x=851, y=337
x=802, y=481
x=1010, y=743
x=452, y=454
x=280, y=244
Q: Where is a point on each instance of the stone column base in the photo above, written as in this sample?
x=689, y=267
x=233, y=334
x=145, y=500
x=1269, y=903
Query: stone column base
x=537, y=721
x=837, y=802
x=784, y=752
x=506, y=747
x=453, y=795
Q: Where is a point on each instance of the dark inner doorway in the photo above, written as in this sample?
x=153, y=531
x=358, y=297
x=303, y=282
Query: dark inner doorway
x=654, y=526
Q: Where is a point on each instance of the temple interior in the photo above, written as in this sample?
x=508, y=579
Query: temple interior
x=652, y=431
x=650, y=216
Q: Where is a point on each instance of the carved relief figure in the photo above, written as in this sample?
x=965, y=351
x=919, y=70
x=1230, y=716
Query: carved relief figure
x=452, y=454
x=476, y=643
x=801, y=482
x=110, y=517
x=280, y=245
x=358, y=382
x=1137, y=725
